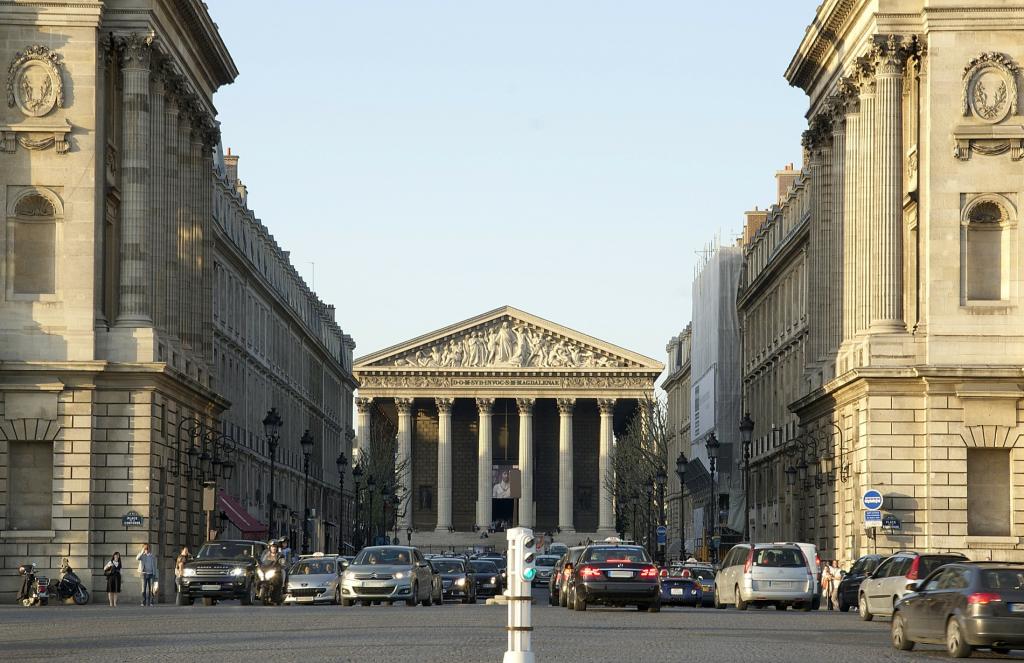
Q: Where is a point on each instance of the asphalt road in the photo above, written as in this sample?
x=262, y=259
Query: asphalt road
x=228, y=633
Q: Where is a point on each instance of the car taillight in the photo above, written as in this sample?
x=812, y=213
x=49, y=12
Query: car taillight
x=664, y=573
x=817, y=561
x=589, y=572
x=983, y=598
x=750, y=561
x=567, y=571
x=649, y=572
x=915, y=569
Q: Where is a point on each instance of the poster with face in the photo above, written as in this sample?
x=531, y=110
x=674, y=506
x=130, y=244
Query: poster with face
x=502, y=480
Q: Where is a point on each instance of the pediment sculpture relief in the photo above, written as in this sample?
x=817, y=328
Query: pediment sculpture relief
x=506, y=343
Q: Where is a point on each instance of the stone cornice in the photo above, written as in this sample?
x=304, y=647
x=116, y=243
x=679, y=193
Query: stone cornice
x=823, y=34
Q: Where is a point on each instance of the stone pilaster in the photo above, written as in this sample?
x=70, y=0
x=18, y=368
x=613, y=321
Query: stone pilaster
x=526, y=460
x=444, y=463
x=866, y=188
x=363, y=406
x=404, y=459
x=158, y=200
x=210, y=136
x=169, y=210
x=484, y=462
x=184, y=220
x=851, y=170
x=136, y=52
x=565, y=478
x=606, y=514
x=195, y=301
x=837, y=177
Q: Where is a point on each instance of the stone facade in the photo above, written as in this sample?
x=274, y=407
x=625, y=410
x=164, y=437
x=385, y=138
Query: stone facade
x=677, y=389
x=125, y=240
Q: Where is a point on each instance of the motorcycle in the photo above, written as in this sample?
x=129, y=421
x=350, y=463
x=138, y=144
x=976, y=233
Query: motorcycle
x=34, y=589
x=270, y=581
x=69, y=586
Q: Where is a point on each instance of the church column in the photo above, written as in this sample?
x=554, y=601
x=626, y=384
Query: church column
x=867, y=190
x=852, y=182
x=526, y=460
x=362, y=426
x=136, y=53
x=565, y=492
x=444, y=463
x=157, y=199
x=836, y=253
x=606, y=515
x=484, y=462
x=404, y=459
x=887, y=302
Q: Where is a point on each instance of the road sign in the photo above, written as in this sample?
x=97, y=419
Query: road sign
x=891, y=522
x=662, y=535
x=872, y=518
x=131, y=519
x=872, y=500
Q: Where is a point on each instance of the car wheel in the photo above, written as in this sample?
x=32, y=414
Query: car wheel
x=580, y=603
x=552, y=598
x=816, y=603
x=955, y=643
x=563, y=598
x=899, y=633
x=740, y=603
x=843, y=606
x=182, y=599
x=862, y=609
x=207, y=600
x=412, y=600
x=337, y=596
x=718, y=603
x=250, y=594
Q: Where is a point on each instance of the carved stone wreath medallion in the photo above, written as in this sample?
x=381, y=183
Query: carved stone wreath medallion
x=34, y=82
x=990, y=88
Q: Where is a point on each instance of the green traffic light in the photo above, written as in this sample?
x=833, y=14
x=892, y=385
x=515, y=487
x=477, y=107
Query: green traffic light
x=528, y=574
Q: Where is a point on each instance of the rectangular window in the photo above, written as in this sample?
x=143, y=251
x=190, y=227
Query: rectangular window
x=988, y=492
x=34, y=257
x=30, y=485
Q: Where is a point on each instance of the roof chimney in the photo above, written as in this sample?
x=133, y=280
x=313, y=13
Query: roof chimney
x=785, y=178
x=755, y=219
x=231, y=167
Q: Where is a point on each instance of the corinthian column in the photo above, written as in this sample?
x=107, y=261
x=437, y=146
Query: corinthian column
x=133, y=309
x=484, y=462
x=404, y=459
x=606, y=515
x=157, y=201
x=867, y=187
x=526, y=460
x=565, y=492
x=169, y=210
x=887, y=303
x=363, y=406
x=444, y=463
x=836, y=258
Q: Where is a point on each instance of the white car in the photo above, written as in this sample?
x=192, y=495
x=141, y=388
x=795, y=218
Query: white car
x=314, y=580
x=765, y=574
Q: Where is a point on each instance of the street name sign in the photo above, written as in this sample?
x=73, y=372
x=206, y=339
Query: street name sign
x=872, y=518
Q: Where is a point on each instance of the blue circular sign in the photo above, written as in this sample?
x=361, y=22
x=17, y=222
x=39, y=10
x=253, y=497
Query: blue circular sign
x=872, y=500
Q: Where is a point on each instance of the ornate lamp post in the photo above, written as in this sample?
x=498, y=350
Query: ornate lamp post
x=357, y=524
x=746, y=434
x=713, y=446
x=660, y=478
x=648, y=497
x=272, y=429
x=681, y=463
x=342, y=463
x=307, y=451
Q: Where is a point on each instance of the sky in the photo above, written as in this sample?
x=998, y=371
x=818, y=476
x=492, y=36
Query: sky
x=426, y=161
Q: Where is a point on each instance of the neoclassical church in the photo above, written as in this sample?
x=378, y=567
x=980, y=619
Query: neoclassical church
x=501, y=399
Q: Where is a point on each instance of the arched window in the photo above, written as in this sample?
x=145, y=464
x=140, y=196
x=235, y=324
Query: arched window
x=986, y=249
x=32, y=241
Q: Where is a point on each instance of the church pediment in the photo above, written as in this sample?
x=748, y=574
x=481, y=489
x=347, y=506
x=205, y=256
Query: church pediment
x=506, y=339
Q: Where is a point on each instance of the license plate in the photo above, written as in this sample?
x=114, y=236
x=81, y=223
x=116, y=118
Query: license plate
x=620, y=574
x=210, y=588
x=1015, y=607
x=376, y=583
x=677, y=591
x=304, y=599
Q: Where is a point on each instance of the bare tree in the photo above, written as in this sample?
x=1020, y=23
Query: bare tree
x=383, y=476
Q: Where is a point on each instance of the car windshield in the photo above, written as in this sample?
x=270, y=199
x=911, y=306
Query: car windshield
x=928, y=564
x=546, y=561
x=615, y=554
x=484, y=567
x=226, y=551
x=690, y=572
x=306, y=567
x=448, y=566
x=779, y=557
x=386, y=556
x=1006, y=579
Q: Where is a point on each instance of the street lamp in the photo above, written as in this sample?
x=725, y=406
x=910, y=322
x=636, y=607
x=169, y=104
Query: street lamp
x=713, y=445
x=342, y=463
x=681, y=463
x=307, y=451
x=746, y=434
x=371, y=488
x=272, y=429
x=648, y=496
x=357, y=476
x=660, y=478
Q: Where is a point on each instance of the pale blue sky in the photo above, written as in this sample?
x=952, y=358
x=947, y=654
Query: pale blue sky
x=437, y=159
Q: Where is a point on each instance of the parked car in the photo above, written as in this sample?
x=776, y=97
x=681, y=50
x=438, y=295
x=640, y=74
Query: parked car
x=615, y=575
x=487, y=577
x=314, y=579
x=963, y=605
x=765, y=574
x=388, y=574
x=545, y=566
x=558, y=586
x=887, y=584
x=221, y=570
x=849, y=586
x=458, y=582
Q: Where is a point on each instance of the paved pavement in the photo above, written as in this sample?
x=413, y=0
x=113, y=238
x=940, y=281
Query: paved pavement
x=229, y=633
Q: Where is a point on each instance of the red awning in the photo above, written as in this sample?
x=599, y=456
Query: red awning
x=248, y=524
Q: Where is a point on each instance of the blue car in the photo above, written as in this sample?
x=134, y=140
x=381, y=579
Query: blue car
x=676, y=590
x=703, y=574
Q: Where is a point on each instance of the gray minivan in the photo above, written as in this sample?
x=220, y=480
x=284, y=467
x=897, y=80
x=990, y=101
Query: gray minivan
x=765, y=574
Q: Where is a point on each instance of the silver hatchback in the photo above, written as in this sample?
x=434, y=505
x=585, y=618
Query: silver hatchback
x=765, y=574
x=386, y=574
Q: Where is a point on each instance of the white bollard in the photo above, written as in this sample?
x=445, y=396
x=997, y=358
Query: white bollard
x=521, y=570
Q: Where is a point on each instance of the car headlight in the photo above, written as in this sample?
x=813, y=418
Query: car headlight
x=237, y=571
x=460, y=582
x=493, y=579
x=189, y=573
x=400, y=575
x=348, y=575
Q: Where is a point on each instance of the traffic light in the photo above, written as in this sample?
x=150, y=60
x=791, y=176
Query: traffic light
x=529, y=569
x=522, y=570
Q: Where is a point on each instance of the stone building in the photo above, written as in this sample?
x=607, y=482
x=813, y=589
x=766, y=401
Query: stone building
x=915, y=329
x=141, y=298
x=677, y=413
x=505, y=391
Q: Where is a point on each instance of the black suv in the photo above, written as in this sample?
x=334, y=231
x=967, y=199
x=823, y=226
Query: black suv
x=221, y=570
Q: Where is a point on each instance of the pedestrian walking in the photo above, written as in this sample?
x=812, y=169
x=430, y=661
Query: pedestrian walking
x=837, y=577
x=826, y=583
x=179, y=566
x=147, y=569
x=112, y=570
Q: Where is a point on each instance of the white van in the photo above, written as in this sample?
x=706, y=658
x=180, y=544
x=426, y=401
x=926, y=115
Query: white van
x=765, y=574
x=814, y=562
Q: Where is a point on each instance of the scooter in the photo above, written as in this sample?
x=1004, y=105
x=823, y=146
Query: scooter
x=271, y=578
x=34, y=589
x=69, y=586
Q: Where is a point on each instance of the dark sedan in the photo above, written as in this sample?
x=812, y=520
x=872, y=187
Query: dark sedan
x=488, y=577
x=849, y=586
x=457, y=580
x=615, y=575
x=558, y=585
x=966, y=605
